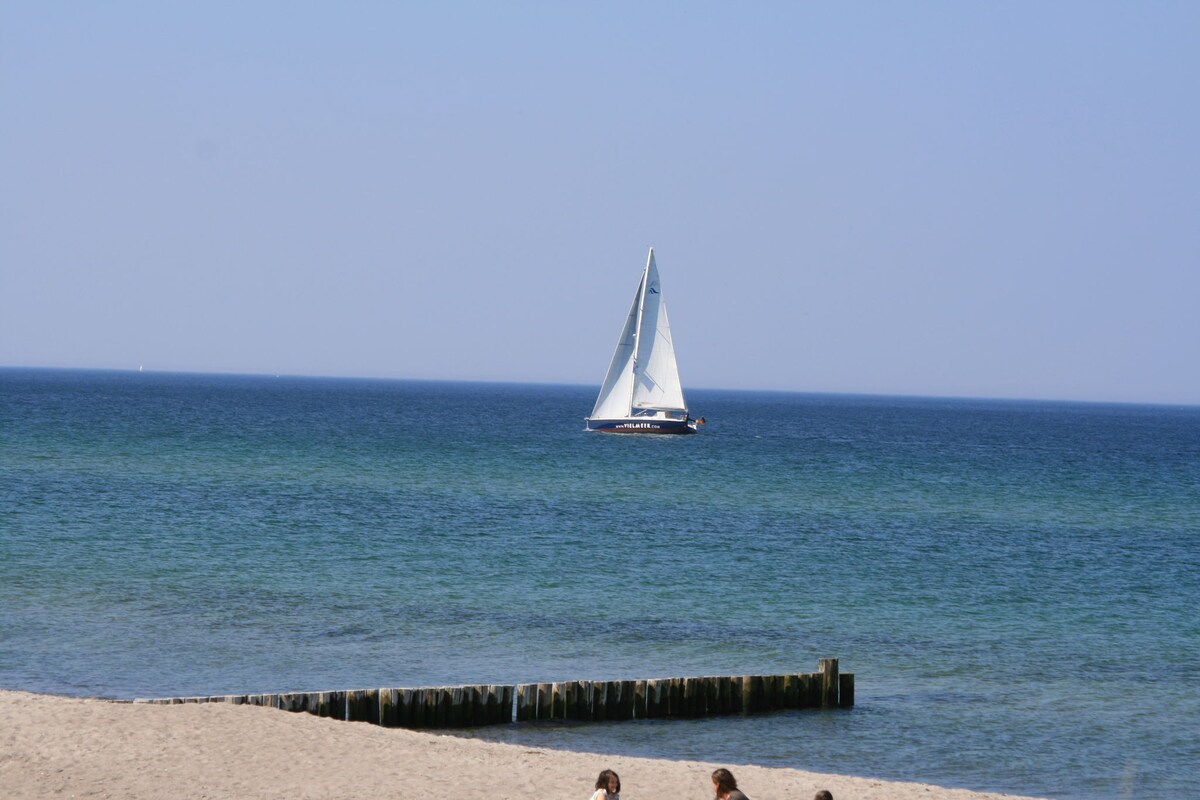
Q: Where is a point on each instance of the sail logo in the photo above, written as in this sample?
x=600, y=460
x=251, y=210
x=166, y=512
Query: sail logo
x=653, y=288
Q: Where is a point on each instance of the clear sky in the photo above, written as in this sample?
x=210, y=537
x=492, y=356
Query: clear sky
x=936, y=198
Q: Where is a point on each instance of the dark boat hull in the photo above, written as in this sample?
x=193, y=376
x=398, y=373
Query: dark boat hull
x=659, y=426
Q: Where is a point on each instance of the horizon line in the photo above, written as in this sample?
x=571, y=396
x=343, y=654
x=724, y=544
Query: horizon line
x=492, y=381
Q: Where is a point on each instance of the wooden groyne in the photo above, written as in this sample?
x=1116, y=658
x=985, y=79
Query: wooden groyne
x=494, y=704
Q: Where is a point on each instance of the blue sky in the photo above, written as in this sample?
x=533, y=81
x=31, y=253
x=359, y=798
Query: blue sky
x=968, y=199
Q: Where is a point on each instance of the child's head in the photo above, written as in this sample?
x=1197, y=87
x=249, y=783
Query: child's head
x=609, y=782
x=824, y=794
x=723, y=782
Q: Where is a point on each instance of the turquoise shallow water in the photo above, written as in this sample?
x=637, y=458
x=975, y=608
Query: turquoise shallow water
x=1014, y=584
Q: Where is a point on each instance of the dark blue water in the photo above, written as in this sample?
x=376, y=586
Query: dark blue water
x=1014, y=584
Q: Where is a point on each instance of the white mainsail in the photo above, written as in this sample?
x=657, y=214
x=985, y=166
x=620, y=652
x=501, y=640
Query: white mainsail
x=643, y=374
x=613, y=401
x=656, y=382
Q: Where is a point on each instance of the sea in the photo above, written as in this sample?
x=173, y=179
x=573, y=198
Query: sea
x=1015, y=585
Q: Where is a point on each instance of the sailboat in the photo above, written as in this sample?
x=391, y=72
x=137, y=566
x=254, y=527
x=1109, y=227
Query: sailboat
x=641, y=392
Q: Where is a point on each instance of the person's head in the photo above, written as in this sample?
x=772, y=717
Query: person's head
x=824, y=794
x=723, y=782
x=609, y=782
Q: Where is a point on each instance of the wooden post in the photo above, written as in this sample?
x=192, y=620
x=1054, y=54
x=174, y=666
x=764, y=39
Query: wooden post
x=764, y=693
x=829, y=682
x=722, y=703
x=571, y=699
x=688, y=694
x=583, y=700
x=545, y=701
x=445, y=706
x=599, y=700
x=775, y=698
x=639, y=700
x=628, y=689
x=653, y=698
x=402, y=710
x=475, y=708
x=846, y=689
x=693, y=697
x=354, y=702
x=433, y=708
x=416, y=709
x=371, y=706
x=483, y=710
x=612, y=700
x=704, y=687
x=526, y=701
x=558, y=700
x=508, y=691
x=758, y=694
x=476, y=700
x=387, y=707
x=611, y=694
x=490, y=703
x=755, y=704
x=454, y=716
x=675, y=703
x=810, y=690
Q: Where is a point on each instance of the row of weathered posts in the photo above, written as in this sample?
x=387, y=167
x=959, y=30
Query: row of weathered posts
x=492, y=704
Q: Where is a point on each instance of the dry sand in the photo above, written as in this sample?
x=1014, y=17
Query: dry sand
x=68, y=747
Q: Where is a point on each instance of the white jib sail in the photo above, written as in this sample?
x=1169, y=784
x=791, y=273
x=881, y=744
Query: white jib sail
x=613, y=400
x=656, y=375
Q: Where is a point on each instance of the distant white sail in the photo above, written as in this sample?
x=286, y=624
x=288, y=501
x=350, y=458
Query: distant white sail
x=643, y=378
x=656, y=383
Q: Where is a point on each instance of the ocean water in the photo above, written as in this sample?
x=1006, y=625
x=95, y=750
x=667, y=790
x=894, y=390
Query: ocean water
x=1014, y=584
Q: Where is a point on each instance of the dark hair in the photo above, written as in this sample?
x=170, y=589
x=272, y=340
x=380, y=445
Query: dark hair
x=725, y=782
x=824, y=794
x=605, y=777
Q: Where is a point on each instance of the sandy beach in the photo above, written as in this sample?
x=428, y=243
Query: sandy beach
x=69, y=747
